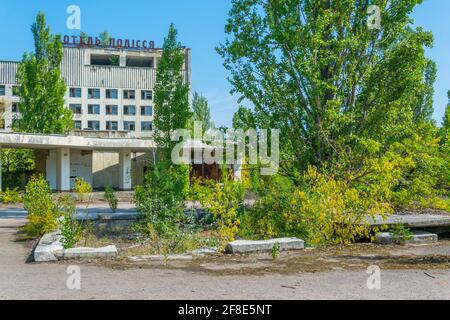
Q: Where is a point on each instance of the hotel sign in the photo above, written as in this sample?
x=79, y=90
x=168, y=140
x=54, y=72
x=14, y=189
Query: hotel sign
x=111, y=43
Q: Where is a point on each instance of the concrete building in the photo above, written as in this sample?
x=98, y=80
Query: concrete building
x=110, y=91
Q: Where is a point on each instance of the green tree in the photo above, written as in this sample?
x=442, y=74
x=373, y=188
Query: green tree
x=446, y=120
x=42, y=89
x=15, y=164
x=424, y=109
x=104, y=38
x=202, y=112
x=314, y=70
x=171, y=94
x=244, y=119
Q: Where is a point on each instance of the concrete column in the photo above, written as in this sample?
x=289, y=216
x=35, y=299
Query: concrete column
x=51, y=169
x=63, y=169
x=125, y=169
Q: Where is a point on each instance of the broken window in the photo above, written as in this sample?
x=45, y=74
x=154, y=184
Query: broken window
x=146, y=126
x=129, y=126
x=75, y=92
x=76, y=108
x=105, y=60
x=111, y=110
x=140, y=62
x=93, y=109
x=93, y=93
x=129, y=94
x=146, y=95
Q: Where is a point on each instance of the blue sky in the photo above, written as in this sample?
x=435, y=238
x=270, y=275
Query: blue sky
x=201, y=27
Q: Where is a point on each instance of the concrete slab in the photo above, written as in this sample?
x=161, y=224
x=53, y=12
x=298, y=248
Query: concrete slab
x=414, y=221
x=49, y=244
x=51, y=249
x=173, y=257
x=87, y=253
x=416, y=237
x=248, y=246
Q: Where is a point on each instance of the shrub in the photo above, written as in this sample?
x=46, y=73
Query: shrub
x=111, y=197
x=83, y=189
x=70, y=229
x=272, y=214
x=224, y=201
x=38, y=201
x=11, y=196
x=160, y=201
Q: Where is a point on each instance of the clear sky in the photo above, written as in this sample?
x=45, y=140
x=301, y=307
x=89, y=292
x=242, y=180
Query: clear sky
x=201, y=27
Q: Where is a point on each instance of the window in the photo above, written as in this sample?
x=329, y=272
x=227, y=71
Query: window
x=75, y=92
x=146, y=95
x=112, y=125
x=15, y=108
x=111, y=110
x=2, y=90
x=111, y=94
x=77, y=125
x=129, y=110
x=129, y=126
x=15, y=91
x=129, y=94
x=94, y=125
x=140, y=62
x=105, y=60
x=76, y=108
x=146, y=126
x=146, y=110
x=93, y=109
x=93, y=93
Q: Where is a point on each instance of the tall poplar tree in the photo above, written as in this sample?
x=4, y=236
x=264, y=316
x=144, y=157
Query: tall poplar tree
x=41, y=88
x=331, y=81
x=171, y=99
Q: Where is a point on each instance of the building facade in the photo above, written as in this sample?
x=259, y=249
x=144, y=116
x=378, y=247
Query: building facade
x=108, y=89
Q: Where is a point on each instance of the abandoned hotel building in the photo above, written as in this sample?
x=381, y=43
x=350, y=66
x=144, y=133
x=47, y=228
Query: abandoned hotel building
x=110, y=91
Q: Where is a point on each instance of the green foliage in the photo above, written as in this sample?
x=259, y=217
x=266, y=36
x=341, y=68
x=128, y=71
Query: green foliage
x=104, y=38
x=160, y=201
x=318, y=74
x=319, y=208
x=83, y=189
x=202, y=112
x=424, y=109
x=42, y=89
x=111, y=197
x=224, y=201
x=42, y=213
x=275, y=252
x=71, y=230
x=171, y=95
x=11, y=196
x=401, y=233
x=16, y=163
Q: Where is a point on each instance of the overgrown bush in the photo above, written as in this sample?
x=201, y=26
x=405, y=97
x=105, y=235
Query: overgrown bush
x=11, y=196
x=160, y=201
x=111, y=197
x=42, y=213
x=83, y=190
x=224, y=201
x=71, y=230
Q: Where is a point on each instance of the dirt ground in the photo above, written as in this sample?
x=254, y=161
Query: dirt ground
x=407, y=272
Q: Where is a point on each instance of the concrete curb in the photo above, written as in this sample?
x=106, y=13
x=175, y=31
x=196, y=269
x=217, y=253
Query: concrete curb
x=416, y=237
x=50, y=249
x=248, y=246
